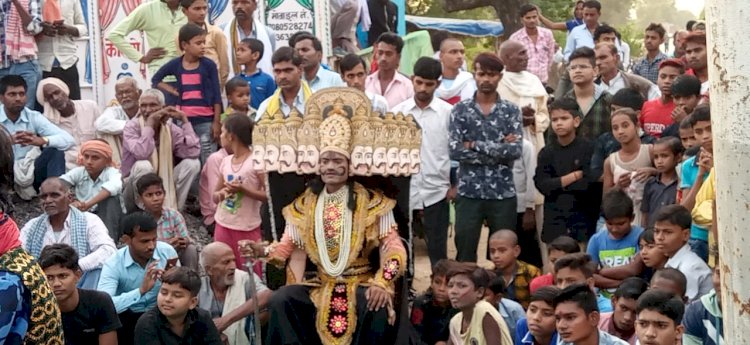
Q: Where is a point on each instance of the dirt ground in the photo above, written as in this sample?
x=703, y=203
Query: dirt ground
x=422, y=266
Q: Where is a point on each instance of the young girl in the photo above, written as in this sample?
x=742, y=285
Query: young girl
x=240, y=191
x=653, y=257
x=478, y=322
x=197, y=87
x=629, y=167
x=661, y=190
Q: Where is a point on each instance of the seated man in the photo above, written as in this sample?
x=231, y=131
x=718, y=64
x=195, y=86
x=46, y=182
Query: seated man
x=82, y=309
x=152, y=142
x=227, y=294
x=110, y=124
x=97, y=184
x=171, y=224
x=62, y=223
x=131, y=276
x=38, y=145
x=75, y=117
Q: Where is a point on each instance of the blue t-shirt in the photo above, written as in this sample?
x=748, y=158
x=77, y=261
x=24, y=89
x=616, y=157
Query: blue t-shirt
x=604, y=304
x=609, y=252
x=688, y=175
x=570, y=24
x=262, y=86
x=524, y=337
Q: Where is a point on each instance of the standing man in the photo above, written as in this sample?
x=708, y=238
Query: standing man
x=593, y=101
x=583, y=35
x=38, y=145
x=456, y=84
x=19, y=23
x=58, y=52
x=526, y=91
x=431, y=189
x=679, y=44
x=161, y=21
x=539, y=42
x=244, y=26
x=648, y=66
x=612, y=79
x=387, y=81
x=696, y=56
x=354, y=72
x=310, y=49
x=485, y=138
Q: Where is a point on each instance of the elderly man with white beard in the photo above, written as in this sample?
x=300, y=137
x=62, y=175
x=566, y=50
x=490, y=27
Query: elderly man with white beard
x=225, y=293
x=110, y=124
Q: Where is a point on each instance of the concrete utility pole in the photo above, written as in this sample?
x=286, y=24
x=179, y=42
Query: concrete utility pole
x=729, y=74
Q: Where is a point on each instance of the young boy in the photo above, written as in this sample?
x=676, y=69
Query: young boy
x=656, y=114
x=672, y=232
x=509, y=309
x=686, y=93
x=649, y=258
x=177, y=320
x=216, y=42
x=659, y=316
x=431, y=312
x=538, y=328
x=556, y=249
x=171, y=226
x=619, y=244
x=702, y=193
x=577, y=317
x=621, y=322
x=561, y=175
x=579, y=269
x=238, y=96
x=504, y=251
x=661, y=190
x=670, y=280
x=703, y=320
x=97, y=184
x=197, y=89
x=262, y=85
x=89, y=310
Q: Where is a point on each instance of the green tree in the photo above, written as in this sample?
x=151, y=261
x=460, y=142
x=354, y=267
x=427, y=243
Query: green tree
x=617, y=12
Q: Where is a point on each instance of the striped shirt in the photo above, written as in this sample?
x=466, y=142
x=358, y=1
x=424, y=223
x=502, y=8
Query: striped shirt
x=198, y=88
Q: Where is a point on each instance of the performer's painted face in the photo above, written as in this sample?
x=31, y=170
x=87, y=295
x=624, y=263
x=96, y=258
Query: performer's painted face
x=359, y=165
x=334, y=168
x=259, y=152
x=404, y=161
x=272, y=158
x=393, y=162
x=415, y=161
x=288, y=159
x=309, y=164
x=379, y=161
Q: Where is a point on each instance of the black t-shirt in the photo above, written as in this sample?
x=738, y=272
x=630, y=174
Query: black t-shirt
x=94, y=315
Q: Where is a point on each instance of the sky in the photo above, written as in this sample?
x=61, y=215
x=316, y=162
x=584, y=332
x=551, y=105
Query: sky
x=695, y=6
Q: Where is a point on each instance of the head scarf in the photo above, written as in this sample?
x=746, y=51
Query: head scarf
x=9, y=234
x=50, y=113
x=97, y=146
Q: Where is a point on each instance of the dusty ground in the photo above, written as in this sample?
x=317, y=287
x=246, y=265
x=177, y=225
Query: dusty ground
x=26, y=210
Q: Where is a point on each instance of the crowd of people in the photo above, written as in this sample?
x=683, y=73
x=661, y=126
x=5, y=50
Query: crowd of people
x=596, y=185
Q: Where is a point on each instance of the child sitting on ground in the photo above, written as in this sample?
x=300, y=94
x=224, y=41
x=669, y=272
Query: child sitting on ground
x=672, y=232
x=478, y=322
x=177, y=318
x=579, y=269
x=509, y=309
x=619, y=244
x=670, y=280
x=248, y=52
x=504, y=251
x=659, y=316
x=661, y=190
x=539, y=325
x=577, y=317
x=97, y=184
x=621, y=322
x=431, y=312
x=556, y=249
x=171, y=226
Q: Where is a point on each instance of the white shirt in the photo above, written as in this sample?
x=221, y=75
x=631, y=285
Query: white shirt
x=379, y=103
x=433, y=181
x=111, y=121
x=618, y=83
x=63, y=47
x=101, y=246
x=523, y=177
x=86, y=188
x=698, y=274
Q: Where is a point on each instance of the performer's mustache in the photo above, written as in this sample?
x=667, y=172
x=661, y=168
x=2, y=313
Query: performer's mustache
x=335, y=172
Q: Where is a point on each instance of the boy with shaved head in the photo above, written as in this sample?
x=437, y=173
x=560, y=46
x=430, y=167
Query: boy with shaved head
x=504, y=251
x=226, y=293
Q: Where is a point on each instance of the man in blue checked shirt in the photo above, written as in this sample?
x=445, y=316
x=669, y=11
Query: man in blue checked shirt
x=485, y=138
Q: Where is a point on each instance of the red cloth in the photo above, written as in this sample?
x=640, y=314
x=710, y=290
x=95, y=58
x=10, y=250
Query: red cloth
x=232, y=237
x=656, y=116
x=9, y=234
x=541, y=281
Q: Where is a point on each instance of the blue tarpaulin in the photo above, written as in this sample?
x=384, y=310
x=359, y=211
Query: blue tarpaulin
x=478, y=28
